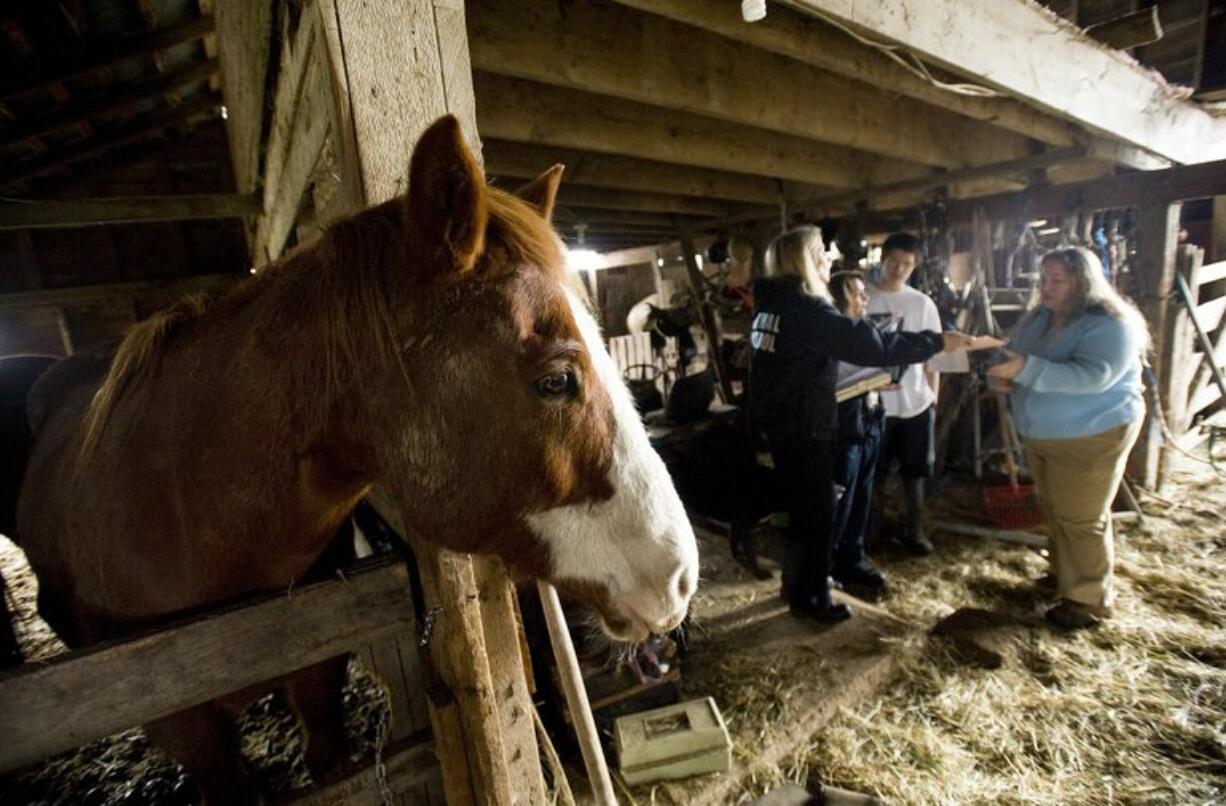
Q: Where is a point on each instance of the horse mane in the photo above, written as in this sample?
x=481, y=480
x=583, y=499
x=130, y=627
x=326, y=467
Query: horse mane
x=346, y=270
x=135, y=359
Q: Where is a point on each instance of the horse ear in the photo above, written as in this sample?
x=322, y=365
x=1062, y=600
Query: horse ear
x=447, y=209
x=542, y=191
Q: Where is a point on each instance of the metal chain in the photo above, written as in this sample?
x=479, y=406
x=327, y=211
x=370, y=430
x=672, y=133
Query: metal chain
x=427, y=625
x=385, y=791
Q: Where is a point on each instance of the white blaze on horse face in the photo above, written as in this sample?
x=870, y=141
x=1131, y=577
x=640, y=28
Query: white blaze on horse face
x=639, y=544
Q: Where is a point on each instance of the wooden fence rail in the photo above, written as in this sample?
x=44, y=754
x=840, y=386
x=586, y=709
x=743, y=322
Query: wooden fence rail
x=84, y=695
x=1210, y=307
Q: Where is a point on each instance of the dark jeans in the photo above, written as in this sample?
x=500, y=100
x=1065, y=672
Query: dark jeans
x=855, y=467
x=805, y=471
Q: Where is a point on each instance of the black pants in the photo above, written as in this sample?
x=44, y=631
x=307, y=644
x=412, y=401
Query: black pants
x=910, y=442
x=805, y=471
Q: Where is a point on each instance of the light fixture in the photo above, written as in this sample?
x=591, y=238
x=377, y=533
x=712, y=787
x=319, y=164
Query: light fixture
x=753, y=10
x=582, y=259
x=1049, y=231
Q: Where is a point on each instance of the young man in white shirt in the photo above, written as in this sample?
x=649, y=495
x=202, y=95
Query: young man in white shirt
x=910, y=407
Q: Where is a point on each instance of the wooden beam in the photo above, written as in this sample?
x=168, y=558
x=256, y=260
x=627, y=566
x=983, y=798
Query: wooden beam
x=143, y=127
x=105, y=294
x=1180, y=183
x=297, y=133
x=1021, y=49
x=84, y=695
x=527, y=160
x=108, y=55
x=813, y=42
x=1202, y=45
x=82, y=212
x=245, y=36
x=524, y=111
x=1129, y=31
x=408, y=765
x=841, y=202
x=630, y=218
x=611, y=199
x=144, y=91
x=617, y=52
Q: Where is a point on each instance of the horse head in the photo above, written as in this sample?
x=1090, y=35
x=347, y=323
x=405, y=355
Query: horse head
x=503, y=426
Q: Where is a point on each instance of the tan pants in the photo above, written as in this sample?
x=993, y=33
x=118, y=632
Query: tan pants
x=1077, y=480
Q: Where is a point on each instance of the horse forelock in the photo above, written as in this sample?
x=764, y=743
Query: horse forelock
x=526, y=237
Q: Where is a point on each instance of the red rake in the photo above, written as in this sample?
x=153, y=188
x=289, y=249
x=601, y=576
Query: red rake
x=1015, y=506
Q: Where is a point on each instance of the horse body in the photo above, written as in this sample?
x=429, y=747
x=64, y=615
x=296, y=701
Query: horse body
x=432, y=345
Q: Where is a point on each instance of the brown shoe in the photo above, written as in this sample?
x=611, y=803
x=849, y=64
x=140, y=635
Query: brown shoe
x=1070, y=615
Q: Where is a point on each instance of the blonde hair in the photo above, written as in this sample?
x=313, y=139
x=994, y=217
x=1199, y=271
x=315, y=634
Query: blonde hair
x=1093, y=294
x=792, y=253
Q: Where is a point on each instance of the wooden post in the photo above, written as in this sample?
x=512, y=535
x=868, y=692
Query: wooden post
x=1217, y=247
x=393, y=69
x=1178, y=356
x=1157, y=235
x=705, y=312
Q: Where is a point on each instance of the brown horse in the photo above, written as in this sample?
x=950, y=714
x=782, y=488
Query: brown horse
x=433, y=344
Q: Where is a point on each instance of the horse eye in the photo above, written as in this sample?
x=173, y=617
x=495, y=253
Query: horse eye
x=558, y=384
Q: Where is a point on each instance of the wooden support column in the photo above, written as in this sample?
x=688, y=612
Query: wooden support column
x=705, y=312
x=394, y=68
x=1178, y=356
x=1217, y=249
x=1157, y=235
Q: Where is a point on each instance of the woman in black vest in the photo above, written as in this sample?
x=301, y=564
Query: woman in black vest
x=797, y=337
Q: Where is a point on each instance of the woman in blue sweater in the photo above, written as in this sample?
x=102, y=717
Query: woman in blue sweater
x=1074, y=376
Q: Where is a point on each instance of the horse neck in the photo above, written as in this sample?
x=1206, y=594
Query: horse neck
x=265, y=390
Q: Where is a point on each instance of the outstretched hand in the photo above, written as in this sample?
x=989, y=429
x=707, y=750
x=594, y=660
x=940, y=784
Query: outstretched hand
x=1008, y=370
x=956, y=341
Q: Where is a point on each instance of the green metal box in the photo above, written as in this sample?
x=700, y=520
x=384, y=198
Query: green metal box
x=677, y=741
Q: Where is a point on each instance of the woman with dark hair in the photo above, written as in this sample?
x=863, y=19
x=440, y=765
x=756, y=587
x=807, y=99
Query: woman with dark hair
x=1074, y=377
x=797, y=338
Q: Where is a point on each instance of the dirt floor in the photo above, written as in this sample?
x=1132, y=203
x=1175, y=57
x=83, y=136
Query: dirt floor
x=1132, y=712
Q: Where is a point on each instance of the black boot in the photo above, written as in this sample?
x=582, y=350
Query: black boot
x=861, y=580
x=819, y=608
x=912, y=536
x=745, y=548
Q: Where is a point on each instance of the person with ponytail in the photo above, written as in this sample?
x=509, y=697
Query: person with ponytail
x=1074, y=377
x=797, y=338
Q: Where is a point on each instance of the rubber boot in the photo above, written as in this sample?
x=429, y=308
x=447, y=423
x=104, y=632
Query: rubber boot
x=912, y=537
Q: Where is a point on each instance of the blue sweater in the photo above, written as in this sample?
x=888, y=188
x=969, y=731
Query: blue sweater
x=1081, y=381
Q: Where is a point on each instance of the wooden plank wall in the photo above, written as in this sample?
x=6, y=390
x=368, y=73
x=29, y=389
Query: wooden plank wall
x=139, y=679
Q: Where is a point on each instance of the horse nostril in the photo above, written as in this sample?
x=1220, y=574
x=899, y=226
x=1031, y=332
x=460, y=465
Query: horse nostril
x=685, y=585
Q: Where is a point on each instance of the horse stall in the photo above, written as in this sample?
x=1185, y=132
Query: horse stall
x=159, y=149
x=324, y=101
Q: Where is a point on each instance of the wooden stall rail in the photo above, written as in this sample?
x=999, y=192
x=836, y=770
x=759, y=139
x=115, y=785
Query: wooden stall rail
x=84, y=695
